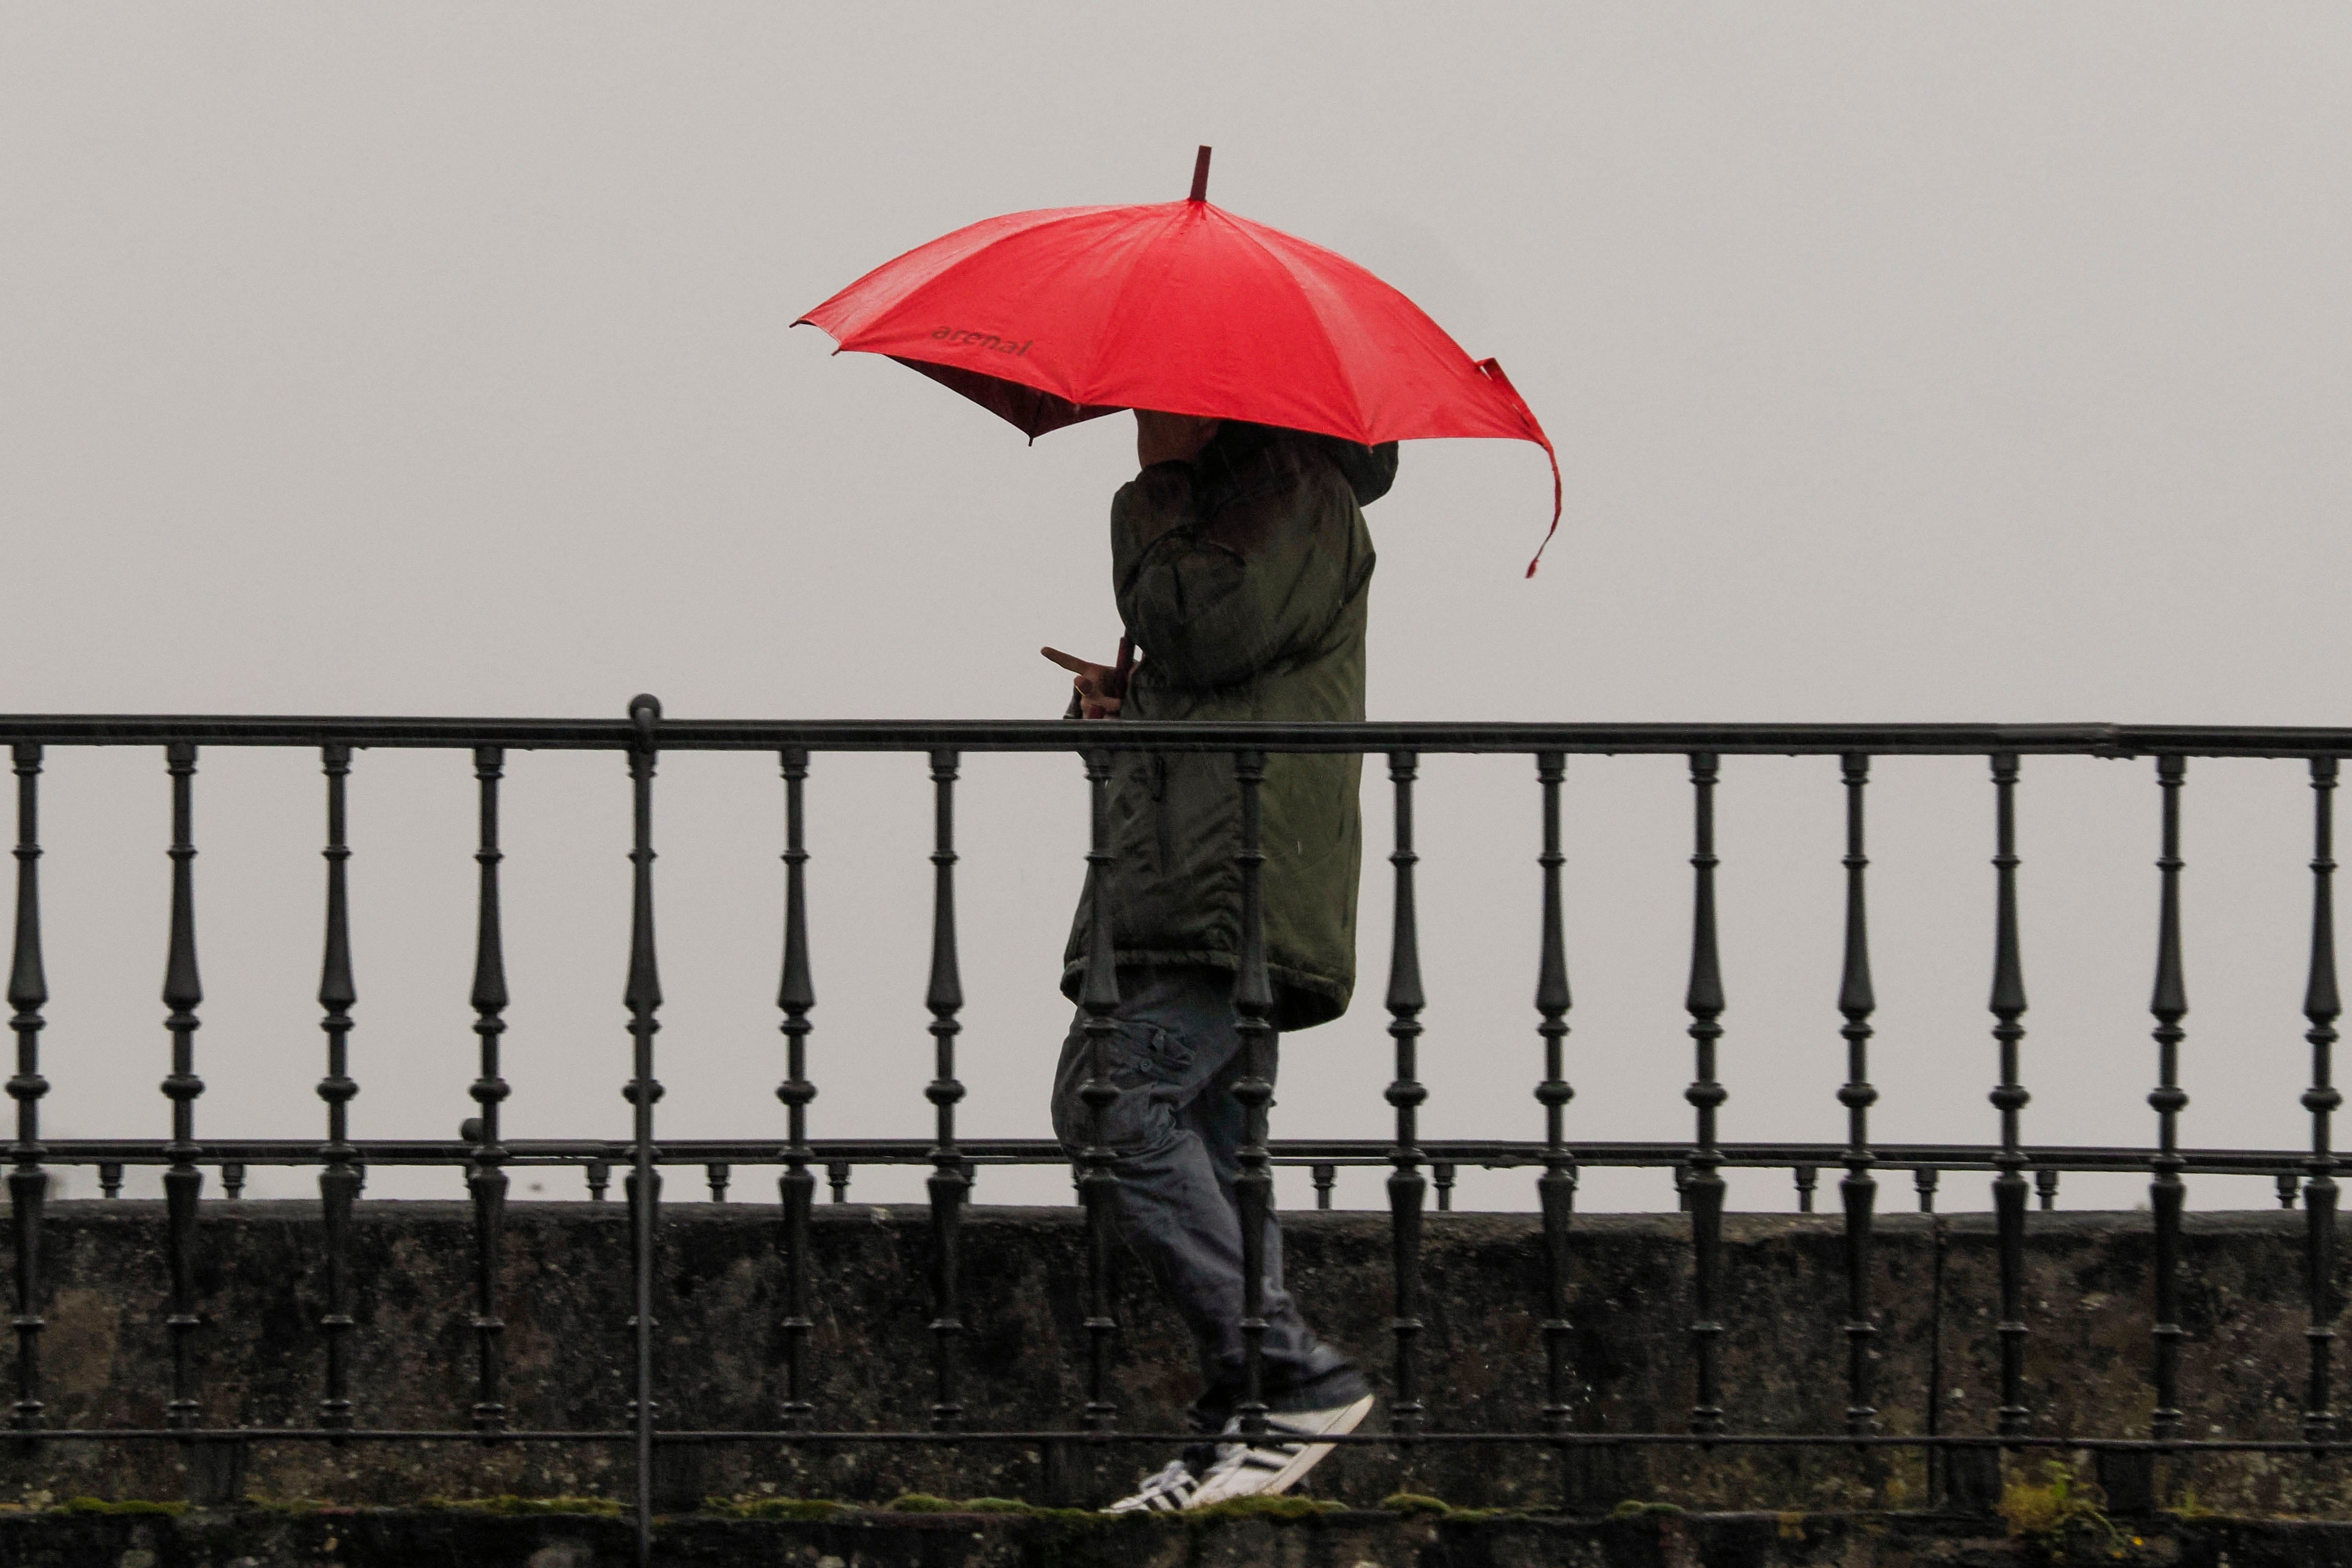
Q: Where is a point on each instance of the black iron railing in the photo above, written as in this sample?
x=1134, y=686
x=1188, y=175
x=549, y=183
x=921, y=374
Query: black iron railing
x=486, y=1157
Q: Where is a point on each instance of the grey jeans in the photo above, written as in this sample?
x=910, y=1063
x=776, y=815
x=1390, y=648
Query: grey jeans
x=1176, y=1130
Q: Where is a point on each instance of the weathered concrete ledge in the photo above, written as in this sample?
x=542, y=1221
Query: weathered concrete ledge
x=260, y=1278
x=402, y=1538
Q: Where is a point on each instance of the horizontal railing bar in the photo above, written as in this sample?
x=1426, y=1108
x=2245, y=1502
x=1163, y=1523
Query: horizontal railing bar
x=1490, y=1154
x=1062, y=735
x=1104, y=1440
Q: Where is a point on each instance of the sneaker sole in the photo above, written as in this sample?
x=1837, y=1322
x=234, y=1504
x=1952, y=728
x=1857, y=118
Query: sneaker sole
x=1349, y=1418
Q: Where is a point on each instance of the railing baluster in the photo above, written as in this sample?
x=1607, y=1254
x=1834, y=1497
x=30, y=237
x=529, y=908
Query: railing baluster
x=2007, y=1005
x=182, y=1182
x=1704, y=1189
x=1097, y=1183
x=1556, y=1188
x=1859, y=1190
x=2170, y=1004
x=946, y=1183
x=486, y=1182
x=28, y=1183
x=1808, y=1178
x=1441, y=1177
x=795, y=994
x=1253, y=1002
x=643, y=997
x=1925, y=1179
x=2321, y=1006
x=338, y=1178
x=1407, y=1187
x=2046, y=1188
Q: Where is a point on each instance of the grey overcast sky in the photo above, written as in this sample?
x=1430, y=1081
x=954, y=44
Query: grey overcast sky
x=1906, y=361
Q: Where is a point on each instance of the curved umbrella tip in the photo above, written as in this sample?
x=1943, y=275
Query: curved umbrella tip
x=1493, y=371
x=1557, y=497
x=1199, y=177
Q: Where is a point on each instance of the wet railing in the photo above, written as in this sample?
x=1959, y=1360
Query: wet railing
x=486, y=1157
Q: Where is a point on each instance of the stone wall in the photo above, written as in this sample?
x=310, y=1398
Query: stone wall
x=409, y=1538
x=261, y=1360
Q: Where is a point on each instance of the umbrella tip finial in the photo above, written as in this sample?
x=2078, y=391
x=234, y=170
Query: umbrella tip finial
x=1199, y=177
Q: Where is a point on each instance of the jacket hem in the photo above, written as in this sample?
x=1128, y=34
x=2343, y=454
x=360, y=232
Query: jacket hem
x=1311, y=998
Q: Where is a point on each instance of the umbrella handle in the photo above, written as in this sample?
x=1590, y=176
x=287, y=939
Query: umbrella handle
x=1117, y=682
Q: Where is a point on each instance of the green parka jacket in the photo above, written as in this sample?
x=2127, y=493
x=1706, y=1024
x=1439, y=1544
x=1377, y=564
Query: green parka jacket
x=1243, y=577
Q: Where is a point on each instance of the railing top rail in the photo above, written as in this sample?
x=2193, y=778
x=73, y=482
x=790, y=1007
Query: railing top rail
x=1493, y=1152
x=1062, y=735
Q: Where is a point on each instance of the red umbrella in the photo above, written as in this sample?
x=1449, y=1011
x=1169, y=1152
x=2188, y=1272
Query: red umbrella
x=1048, y=318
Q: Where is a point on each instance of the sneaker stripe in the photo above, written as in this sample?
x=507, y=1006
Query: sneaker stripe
x=1266, y=1467
x=1171, y=1490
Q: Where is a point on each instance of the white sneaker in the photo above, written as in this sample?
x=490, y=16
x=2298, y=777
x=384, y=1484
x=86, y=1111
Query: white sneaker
x=1172, y=1490
x=1276, y=1462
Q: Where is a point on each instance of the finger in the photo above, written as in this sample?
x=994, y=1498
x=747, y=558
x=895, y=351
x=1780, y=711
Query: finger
x=1069, y=661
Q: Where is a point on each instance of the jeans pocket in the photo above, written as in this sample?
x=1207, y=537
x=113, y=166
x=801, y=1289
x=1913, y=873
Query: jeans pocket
x=1155, y=1055
x=1146, y=1064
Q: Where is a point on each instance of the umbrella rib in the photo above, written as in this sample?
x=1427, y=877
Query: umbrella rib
x=1307, y=296
x=1469, y=368
x=1104, y=348
x=933, y=277
x=1116, y=329
x=1085, y=387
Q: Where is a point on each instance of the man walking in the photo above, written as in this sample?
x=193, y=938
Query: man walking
x=1241, y=568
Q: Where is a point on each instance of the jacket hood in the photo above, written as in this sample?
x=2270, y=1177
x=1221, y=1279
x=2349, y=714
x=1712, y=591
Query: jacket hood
x=1368, y=470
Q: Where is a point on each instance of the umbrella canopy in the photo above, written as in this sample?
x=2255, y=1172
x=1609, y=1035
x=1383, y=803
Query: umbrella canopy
x=1052, y=317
